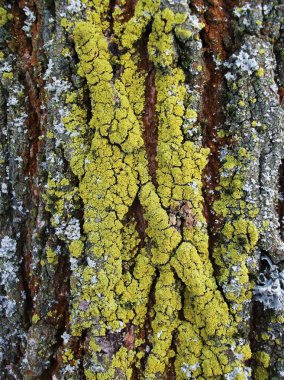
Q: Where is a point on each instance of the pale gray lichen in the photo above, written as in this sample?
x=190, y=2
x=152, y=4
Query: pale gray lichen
x=187, y=369
x=10, y=297
x=75, y=6
x=249, y=17
x=30, y=19
x=270, y=288
x=244, y=61
x=237, y=372
x=8, y=272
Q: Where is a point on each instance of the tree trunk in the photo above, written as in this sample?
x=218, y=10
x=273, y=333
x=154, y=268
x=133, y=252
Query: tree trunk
x=142, y=194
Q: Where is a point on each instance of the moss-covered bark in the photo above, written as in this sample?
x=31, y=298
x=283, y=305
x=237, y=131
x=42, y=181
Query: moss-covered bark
x=141, y=209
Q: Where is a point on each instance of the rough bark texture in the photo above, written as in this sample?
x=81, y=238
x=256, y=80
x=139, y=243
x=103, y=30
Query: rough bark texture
x=142, y=195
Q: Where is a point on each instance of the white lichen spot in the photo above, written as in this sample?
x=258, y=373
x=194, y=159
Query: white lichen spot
x=8, y=274
x=30, y=19
x=66, y=337
x=49, y=70
x=5, y=68
x=4, y=188
x=237, y=372
x=91, y=263
x=8, y=247
x=188, y=369
x=245, y=62
x=75, y=6
x=194, y=22
x=270, y=288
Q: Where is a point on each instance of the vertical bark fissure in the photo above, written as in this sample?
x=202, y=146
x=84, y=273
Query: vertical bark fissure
x=150, y=137
x=30, y=67
x=280, y=206
x=146, y=331
x=216, y=36
x=150, y=123
x=129, y=9
x=150, y=133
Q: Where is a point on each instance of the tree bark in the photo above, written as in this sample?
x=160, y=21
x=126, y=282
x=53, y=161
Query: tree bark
x=142, y=195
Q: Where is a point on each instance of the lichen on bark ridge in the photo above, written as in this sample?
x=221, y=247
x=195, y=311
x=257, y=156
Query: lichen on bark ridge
x=147, y=139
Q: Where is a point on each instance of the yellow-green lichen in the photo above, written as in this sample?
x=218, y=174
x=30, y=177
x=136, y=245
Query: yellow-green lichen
x=261, y=373
x=52, y=257
x=182, y=178
x=239, y=240
x=60, y=194
x=111, y=287
x=4, y=16
x=7, y=75
x=108, y=188
x=260, y=72
x=76, y=123
x=98, y=12
x=133, y=29
x=130, y=238
x=66, y=24
x=134, y=82
x=209, y=312
x=76, y=247
x=165, y=237
x=35, y=318
x=167, y=305
x=239, y=234
x=263, y=358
